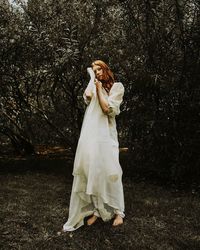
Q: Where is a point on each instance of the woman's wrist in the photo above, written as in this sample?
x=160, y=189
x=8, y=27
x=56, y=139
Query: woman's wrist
x=102, y=101
x=98, y=88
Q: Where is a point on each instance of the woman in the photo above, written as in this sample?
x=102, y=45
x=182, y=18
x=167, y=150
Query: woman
x=97, y=189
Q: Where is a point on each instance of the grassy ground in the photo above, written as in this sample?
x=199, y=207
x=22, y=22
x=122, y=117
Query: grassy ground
x=34, y=206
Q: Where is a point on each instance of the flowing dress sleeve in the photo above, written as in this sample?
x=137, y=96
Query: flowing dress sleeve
x=115, y=99
x=90, y=87
x=86, y=100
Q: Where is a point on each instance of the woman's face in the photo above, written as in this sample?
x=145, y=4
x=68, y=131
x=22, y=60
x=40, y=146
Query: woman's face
x=98, y=72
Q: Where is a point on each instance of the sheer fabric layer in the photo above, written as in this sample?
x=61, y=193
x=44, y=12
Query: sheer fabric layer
x=97, y=184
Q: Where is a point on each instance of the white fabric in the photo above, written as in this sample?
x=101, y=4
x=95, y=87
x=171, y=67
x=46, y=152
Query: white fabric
x=97, y=184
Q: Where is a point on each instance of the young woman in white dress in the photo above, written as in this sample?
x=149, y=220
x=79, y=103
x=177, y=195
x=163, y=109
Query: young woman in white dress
x=97, y=189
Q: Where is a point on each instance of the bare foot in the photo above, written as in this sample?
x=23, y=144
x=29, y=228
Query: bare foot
x=118, y=220
x=91, y=220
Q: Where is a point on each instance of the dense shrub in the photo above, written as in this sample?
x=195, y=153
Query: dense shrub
x=152, y=47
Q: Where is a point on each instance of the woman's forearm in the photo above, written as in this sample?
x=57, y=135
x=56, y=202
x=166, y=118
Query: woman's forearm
x=102, y=101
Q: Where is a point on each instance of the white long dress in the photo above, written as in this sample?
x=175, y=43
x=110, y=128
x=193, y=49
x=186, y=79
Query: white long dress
x=97, y=182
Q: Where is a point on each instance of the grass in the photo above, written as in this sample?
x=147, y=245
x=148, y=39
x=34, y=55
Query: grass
x=34, y=206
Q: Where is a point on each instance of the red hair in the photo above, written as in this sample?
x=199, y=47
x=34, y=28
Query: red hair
x=107, y=73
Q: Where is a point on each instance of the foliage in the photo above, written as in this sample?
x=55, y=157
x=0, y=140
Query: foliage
x=153, y=49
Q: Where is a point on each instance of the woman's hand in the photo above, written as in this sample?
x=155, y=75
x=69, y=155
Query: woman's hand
x=98, y=84
x=102, y=101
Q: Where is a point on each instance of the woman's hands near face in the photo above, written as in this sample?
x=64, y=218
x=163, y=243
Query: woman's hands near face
x=98, y=84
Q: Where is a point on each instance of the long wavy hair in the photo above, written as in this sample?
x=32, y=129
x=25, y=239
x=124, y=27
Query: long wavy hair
x=107, y=75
